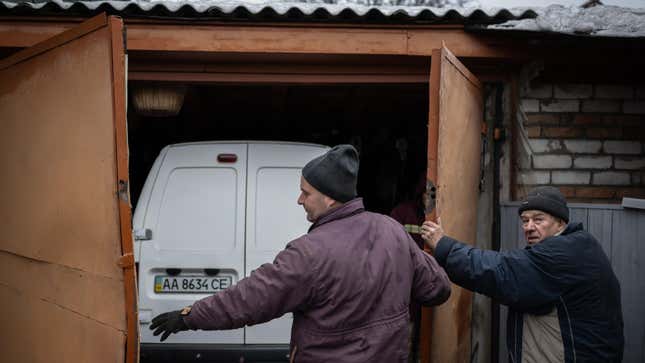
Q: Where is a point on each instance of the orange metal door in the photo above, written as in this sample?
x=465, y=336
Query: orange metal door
x=454, y=148
x=67, y=284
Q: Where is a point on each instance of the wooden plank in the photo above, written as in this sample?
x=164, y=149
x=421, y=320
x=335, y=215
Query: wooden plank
x=277, y=78
x=40, y=331
x=49, y=151
x=55, y=41
x=460, y=112
x=509, y=229
x=125, y=215
x=462, y=44
x=600, y=226
x=425, y=346
x=68, y=288
x=628, y=256
x=265, y=38
x=60, y=223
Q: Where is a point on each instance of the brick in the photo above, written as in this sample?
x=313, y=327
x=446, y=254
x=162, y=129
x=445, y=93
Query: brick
x=573, y=91
x=587, y=119
x=570, y=177
x=612, y=178
x=622, y=147
x=583, y=146
x=530, y=105
x=637, y=178
x=568, y=192
x=534, y=177
x=559, y=105
x=623, y=120
x=566, y=119
x=630, y=163
x=592, y=162
x=596, y=192
x=524, y=161
x=602, y=106
x=542, y=119
x=562, y=132
x=634, y=107
x=614, y=91
x=634, y=133
x=540, y=91
x=551, y=161
x=546, y=145
x=604, y=133
x=533, y=131
x=636, y=192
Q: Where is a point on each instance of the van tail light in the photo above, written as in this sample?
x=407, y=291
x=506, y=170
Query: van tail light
x=227, y=158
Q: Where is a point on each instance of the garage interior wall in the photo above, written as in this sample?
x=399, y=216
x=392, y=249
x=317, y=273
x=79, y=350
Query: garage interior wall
x=386, y=123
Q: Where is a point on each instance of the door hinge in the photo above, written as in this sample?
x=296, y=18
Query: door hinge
x=143, y=234
x=123, y=191
x=126, y=261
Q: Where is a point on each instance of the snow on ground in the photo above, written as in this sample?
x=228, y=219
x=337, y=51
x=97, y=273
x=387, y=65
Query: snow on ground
x=598, y=20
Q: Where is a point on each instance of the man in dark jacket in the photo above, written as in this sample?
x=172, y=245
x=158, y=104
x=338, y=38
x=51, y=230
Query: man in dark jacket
x=562, y=294
x=348, y=281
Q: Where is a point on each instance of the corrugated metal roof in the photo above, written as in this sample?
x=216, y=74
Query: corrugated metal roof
x=240, y=10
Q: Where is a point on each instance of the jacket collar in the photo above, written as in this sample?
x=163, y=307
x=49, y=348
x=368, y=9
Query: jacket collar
x=572, y=227
x=348, y=209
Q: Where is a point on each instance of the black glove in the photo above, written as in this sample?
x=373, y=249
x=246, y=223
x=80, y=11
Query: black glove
x=168, y=323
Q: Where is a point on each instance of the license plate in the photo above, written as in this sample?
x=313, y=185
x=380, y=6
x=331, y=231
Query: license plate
x=192, y=284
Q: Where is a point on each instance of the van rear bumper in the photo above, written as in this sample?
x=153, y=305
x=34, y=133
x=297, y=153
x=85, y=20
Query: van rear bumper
x=232, y=353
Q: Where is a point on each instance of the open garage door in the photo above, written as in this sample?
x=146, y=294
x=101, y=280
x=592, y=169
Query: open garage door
x=66, y=246
x=454, y=149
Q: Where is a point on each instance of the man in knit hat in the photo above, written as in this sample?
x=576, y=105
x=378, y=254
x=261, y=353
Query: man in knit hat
x=348, y=281
x=562, y=294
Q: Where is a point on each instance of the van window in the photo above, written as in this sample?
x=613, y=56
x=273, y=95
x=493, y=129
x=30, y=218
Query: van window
x=198, y=210
x=278, y=217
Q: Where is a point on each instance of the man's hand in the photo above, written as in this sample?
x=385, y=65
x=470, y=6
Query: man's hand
x=431, y=233
x=168, y=323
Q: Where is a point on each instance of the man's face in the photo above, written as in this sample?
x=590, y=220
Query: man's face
x=538, y=225
x=314, y=202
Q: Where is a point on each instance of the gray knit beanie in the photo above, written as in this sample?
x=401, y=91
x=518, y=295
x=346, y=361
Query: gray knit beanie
x=334, y=173
x=547, y=199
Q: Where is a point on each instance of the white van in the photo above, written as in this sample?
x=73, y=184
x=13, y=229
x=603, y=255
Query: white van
x=209, y=213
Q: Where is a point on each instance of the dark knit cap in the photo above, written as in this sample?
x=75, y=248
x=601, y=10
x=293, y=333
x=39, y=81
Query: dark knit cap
x=334, y=173
x=546, y=199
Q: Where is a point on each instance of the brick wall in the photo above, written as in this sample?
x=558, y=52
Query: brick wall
x=587, y=139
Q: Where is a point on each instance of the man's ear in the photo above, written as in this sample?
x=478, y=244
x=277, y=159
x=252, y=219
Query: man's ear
x=330, y=202
x=560, y=221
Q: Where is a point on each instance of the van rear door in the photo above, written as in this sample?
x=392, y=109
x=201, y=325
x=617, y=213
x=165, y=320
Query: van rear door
x=196, y=216
x=274, y=217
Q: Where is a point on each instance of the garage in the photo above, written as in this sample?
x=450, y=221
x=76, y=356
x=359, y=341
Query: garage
x=411, y=111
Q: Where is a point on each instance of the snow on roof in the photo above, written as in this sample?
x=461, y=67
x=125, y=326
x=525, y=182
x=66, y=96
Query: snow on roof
x=599, y=20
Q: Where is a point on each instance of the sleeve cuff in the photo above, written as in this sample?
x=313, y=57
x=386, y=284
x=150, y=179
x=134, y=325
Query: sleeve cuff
x=444, y=246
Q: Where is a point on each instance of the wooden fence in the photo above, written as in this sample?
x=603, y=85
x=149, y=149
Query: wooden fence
x=621, y=232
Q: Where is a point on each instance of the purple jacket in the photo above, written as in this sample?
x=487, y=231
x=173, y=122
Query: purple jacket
x=348, y=283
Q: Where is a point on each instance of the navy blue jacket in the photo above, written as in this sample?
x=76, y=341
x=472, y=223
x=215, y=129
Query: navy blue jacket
x=569, y=271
